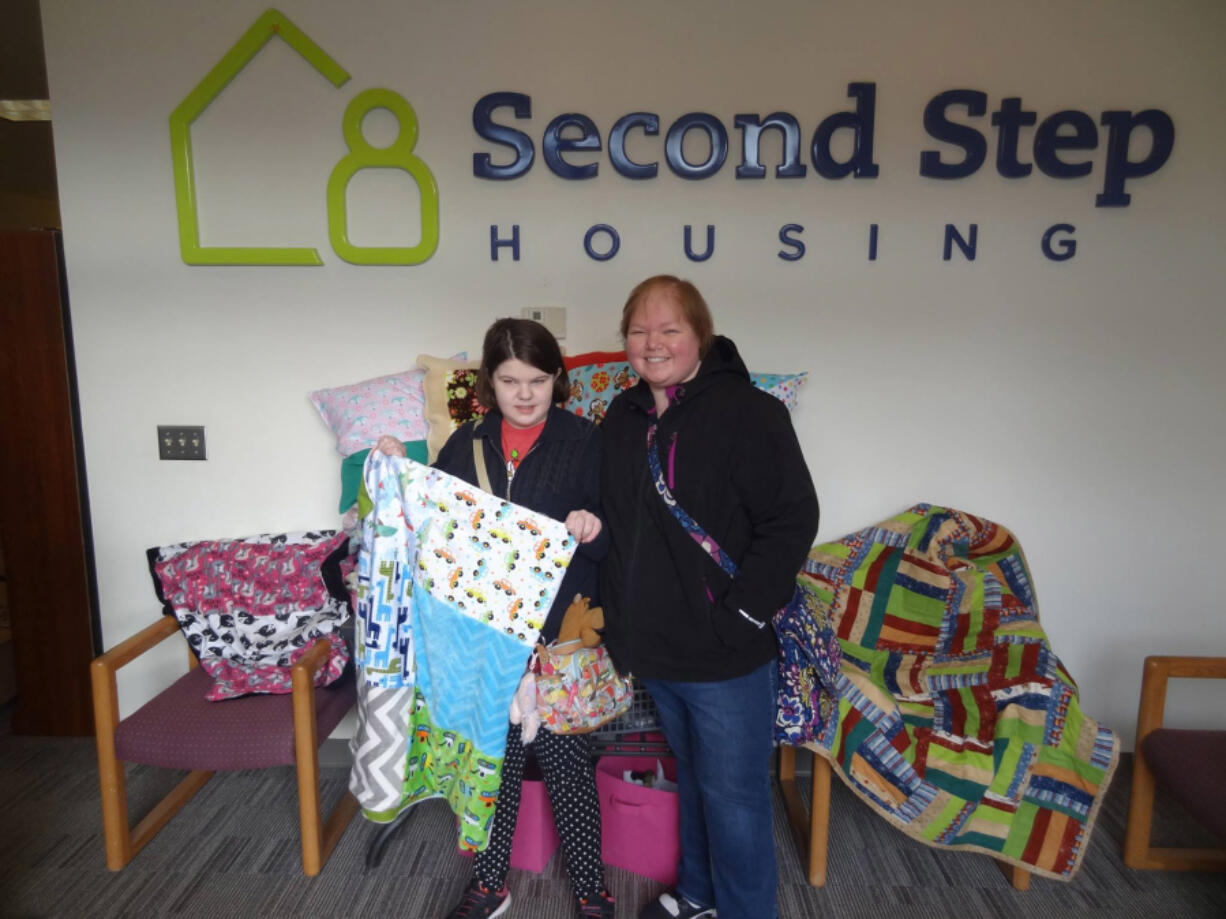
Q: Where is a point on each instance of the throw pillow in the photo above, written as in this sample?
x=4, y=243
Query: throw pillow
x=360, y=412
x=595, y=378
x=783, y=386
x=451, y=397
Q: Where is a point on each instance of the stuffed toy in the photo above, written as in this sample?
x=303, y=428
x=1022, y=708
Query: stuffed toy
x=581, y=622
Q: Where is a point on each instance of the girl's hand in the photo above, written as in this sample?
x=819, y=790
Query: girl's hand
x=390, y=445
x=583, y=525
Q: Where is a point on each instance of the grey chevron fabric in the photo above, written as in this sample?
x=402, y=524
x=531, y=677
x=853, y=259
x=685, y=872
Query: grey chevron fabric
x=380, y=749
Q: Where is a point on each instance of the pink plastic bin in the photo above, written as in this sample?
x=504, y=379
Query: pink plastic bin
x=536, y=838
x=638, y=824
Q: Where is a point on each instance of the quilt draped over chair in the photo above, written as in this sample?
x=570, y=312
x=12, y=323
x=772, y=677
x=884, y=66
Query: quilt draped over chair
x=956, y=721
x=454, y=585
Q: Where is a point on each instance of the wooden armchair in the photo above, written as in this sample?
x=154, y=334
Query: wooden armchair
x=179, y=729
x=1191, y=765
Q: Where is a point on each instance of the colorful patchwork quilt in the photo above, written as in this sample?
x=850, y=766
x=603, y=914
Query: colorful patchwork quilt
x=956, y=721
x=453, y=588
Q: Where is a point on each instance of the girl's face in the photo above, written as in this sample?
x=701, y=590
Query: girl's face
x=660, y=345
x=523, y=392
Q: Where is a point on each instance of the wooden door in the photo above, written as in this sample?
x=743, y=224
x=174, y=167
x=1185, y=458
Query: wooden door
x=44, y=522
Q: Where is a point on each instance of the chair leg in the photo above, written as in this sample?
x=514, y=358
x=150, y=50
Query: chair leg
x=318, y=840
x=810, y=835
x=122, y=842
x=167, y=808
x=1140, y=814
x=819, y=820
x=1018, y=876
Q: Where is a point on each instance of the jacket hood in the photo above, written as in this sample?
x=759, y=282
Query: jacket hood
x=722, y=363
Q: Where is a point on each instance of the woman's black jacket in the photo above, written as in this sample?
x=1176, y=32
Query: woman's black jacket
x=670, y=611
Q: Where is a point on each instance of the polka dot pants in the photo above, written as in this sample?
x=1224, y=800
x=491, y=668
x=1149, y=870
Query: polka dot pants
x=570, y=780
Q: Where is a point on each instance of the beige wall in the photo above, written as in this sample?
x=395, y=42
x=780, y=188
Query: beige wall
x=1079, y=403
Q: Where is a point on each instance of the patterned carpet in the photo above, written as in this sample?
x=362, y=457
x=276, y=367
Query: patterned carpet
x=233, y=852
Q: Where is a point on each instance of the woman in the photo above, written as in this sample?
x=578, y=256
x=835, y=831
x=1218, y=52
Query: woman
x=698, y=638
x=548, y=460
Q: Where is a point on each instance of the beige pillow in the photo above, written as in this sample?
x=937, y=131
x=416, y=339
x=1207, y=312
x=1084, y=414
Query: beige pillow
x=451, y=397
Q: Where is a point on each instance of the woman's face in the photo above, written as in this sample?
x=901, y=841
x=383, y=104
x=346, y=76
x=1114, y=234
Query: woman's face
x=523, y=392
x=660, y=345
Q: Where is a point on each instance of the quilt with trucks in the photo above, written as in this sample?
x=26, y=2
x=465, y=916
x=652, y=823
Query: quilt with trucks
x=454, y=585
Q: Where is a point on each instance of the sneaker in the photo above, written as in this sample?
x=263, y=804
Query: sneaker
x=479, y=902
x=598, y=906
x=672, y=905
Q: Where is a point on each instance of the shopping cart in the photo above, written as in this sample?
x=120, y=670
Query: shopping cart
x=637, y=732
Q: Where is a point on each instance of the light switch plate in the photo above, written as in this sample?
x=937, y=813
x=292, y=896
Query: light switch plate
x=551, y=317
x=180, y=442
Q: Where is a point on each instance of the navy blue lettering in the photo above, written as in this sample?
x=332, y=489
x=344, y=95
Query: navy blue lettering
x=1048, y=141
x=716, y=134
x=689, y=248
x=751, y=146
x=786, y=237
x=521, y=143
x=650, y=124
x=1010, y=118
x=615, y=242
x=861, y=123
x=953, y=236
x=554, y=145
x=872, y=242
x=960, y=135
x=1067, y=247
x=496, y=243
x=1119, y=167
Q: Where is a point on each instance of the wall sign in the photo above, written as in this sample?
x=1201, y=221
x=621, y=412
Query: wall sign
x=572, y=145
x=1069, y=130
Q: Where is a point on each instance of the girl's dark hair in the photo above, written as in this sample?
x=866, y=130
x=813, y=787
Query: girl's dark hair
x=523, y=340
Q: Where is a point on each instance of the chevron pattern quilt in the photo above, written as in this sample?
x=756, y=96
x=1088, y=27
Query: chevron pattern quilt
x=453, y=588
x=956, y=720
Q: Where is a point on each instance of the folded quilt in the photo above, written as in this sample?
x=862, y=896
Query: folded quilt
x=453, y=588
x=251, y=607
x=955, y=719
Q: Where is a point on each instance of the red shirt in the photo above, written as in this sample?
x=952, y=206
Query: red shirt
x=516, y=442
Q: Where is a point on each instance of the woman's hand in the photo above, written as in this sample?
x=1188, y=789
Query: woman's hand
x=390, y=445
x=583, y=525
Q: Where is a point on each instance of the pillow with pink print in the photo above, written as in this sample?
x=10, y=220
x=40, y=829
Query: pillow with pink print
x=359, y=413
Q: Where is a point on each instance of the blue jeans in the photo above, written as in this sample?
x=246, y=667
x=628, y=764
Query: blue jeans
x=721, y=733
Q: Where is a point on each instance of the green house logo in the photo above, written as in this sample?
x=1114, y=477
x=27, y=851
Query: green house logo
x=398, y=155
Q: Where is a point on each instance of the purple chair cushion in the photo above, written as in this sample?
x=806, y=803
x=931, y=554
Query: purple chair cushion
x=179, y=729
x=1192, y=766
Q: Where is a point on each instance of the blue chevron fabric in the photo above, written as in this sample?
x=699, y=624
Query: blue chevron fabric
x=453, y=587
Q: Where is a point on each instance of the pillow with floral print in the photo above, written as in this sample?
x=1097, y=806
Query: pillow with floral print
x=451, y=397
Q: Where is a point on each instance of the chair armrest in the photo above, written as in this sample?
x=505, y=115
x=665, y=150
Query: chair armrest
x=133, y=647
x=1159, y=669
x=311, y=661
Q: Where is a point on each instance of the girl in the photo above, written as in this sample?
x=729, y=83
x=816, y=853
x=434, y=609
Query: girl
x=547, y=459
